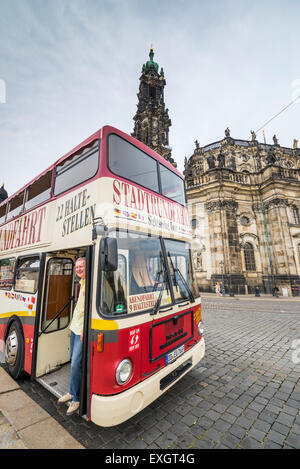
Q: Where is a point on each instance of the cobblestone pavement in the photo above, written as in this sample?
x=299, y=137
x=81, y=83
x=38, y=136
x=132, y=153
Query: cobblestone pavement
x=245, y=393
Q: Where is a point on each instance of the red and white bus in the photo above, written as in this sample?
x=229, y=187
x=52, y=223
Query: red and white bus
x=122, y=206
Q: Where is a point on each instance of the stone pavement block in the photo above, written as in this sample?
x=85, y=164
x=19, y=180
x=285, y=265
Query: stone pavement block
x=14, y=400
x=10, y=440
x=249, y=443
x=293, y=440
x=6, y=382
x=48, y=434
x=27, y=415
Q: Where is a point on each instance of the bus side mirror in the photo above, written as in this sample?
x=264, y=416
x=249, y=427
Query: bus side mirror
x=108, y=254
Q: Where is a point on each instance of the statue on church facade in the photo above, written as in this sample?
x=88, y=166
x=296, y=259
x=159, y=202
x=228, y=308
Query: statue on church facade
x=211, y=161
x=221, y=160
x=271, y=158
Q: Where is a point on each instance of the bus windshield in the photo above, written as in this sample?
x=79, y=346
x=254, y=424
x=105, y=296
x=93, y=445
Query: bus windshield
x=141, y=281
x=128, y=161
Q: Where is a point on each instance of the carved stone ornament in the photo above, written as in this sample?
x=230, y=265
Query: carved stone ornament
x=248, y=235
x=277, y=202
x=229, y=205
x=256, y=207
x=244, y=220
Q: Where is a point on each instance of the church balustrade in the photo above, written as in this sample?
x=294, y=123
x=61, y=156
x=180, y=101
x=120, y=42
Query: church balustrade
x=226, y=174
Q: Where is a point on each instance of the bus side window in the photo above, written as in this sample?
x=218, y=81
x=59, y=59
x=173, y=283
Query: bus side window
x=7, y=267
x=15, y=206
x=27, y=274
x=39, y=191
x=2, y=213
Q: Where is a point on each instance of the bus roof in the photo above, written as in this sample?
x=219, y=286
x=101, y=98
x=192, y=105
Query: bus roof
x=103, y=131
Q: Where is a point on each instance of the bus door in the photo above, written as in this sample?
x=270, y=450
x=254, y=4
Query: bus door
x=53, y=347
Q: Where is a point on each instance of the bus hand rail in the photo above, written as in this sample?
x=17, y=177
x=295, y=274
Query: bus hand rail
x=56, y=316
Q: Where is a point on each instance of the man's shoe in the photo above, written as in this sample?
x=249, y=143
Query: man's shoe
x=67, y=397
x=73, y=407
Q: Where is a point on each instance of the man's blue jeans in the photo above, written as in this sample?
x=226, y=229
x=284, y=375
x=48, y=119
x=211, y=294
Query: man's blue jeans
x=76, y=355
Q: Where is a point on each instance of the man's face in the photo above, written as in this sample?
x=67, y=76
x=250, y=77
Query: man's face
x=80, y=268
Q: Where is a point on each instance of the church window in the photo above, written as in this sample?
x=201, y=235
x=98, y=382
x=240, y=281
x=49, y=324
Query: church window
x=195, y=223
x=244, y=220
x=295, y=212
x=249, y=257
x=152, y=92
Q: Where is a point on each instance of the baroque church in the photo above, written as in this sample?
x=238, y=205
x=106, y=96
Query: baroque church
x=243, y=198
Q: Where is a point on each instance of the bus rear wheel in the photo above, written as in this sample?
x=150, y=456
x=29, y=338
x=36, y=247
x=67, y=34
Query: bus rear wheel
x=14, y=350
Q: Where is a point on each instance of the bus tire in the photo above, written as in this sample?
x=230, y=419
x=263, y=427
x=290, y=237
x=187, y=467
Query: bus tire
x=14, y=350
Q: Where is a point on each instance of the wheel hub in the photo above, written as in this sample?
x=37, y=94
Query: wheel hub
x=11, y=348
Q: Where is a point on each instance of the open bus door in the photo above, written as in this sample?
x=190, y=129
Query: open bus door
x=52, y=349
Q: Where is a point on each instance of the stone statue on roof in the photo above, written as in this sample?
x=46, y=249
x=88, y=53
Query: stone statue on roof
x=3, y=193
x=227, y=132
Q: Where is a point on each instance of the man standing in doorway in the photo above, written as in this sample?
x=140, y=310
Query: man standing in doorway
x=76, y=328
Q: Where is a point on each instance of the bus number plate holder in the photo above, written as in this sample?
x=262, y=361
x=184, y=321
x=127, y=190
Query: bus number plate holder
x=172, y=356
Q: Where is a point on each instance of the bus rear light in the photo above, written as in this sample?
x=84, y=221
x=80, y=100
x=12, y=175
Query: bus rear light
x=124, y=372
x=100, y=342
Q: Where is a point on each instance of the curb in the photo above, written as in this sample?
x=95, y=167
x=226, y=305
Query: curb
x=25, y=425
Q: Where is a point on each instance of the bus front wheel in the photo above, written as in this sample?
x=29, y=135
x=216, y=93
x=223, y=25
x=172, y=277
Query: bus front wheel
x=14, y=350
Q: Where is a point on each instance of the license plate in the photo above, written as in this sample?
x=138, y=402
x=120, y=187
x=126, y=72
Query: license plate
x=171, y=357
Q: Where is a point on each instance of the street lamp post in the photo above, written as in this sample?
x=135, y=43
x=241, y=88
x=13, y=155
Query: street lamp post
x=223, y=288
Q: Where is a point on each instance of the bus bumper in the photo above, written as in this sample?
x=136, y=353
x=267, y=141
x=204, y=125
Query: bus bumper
x=107, y=411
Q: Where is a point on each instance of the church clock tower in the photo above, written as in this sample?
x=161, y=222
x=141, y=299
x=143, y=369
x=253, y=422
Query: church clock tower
x=152, y=120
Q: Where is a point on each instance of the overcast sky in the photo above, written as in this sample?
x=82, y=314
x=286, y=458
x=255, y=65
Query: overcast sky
x=68, y=67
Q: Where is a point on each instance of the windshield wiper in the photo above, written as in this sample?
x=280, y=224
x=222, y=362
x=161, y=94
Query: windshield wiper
x=175, y=269
x=158, y=275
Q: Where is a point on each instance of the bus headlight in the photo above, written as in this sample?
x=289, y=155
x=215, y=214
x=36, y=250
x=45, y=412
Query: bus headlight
x=124, y=371
x=200, y=328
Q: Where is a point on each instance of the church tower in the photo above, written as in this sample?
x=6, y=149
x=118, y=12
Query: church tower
x=151, y=121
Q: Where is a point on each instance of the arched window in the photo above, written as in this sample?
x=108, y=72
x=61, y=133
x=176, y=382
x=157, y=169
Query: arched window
x=249, y=257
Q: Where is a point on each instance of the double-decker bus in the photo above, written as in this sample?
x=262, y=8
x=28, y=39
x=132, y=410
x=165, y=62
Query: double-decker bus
x=120, y=205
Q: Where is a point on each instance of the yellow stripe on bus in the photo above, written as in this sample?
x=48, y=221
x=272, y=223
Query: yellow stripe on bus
x=104, y=325
x=17, y=313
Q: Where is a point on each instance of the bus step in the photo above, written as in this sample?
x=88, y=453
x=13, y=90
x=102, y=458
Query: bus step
x=57, y=382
